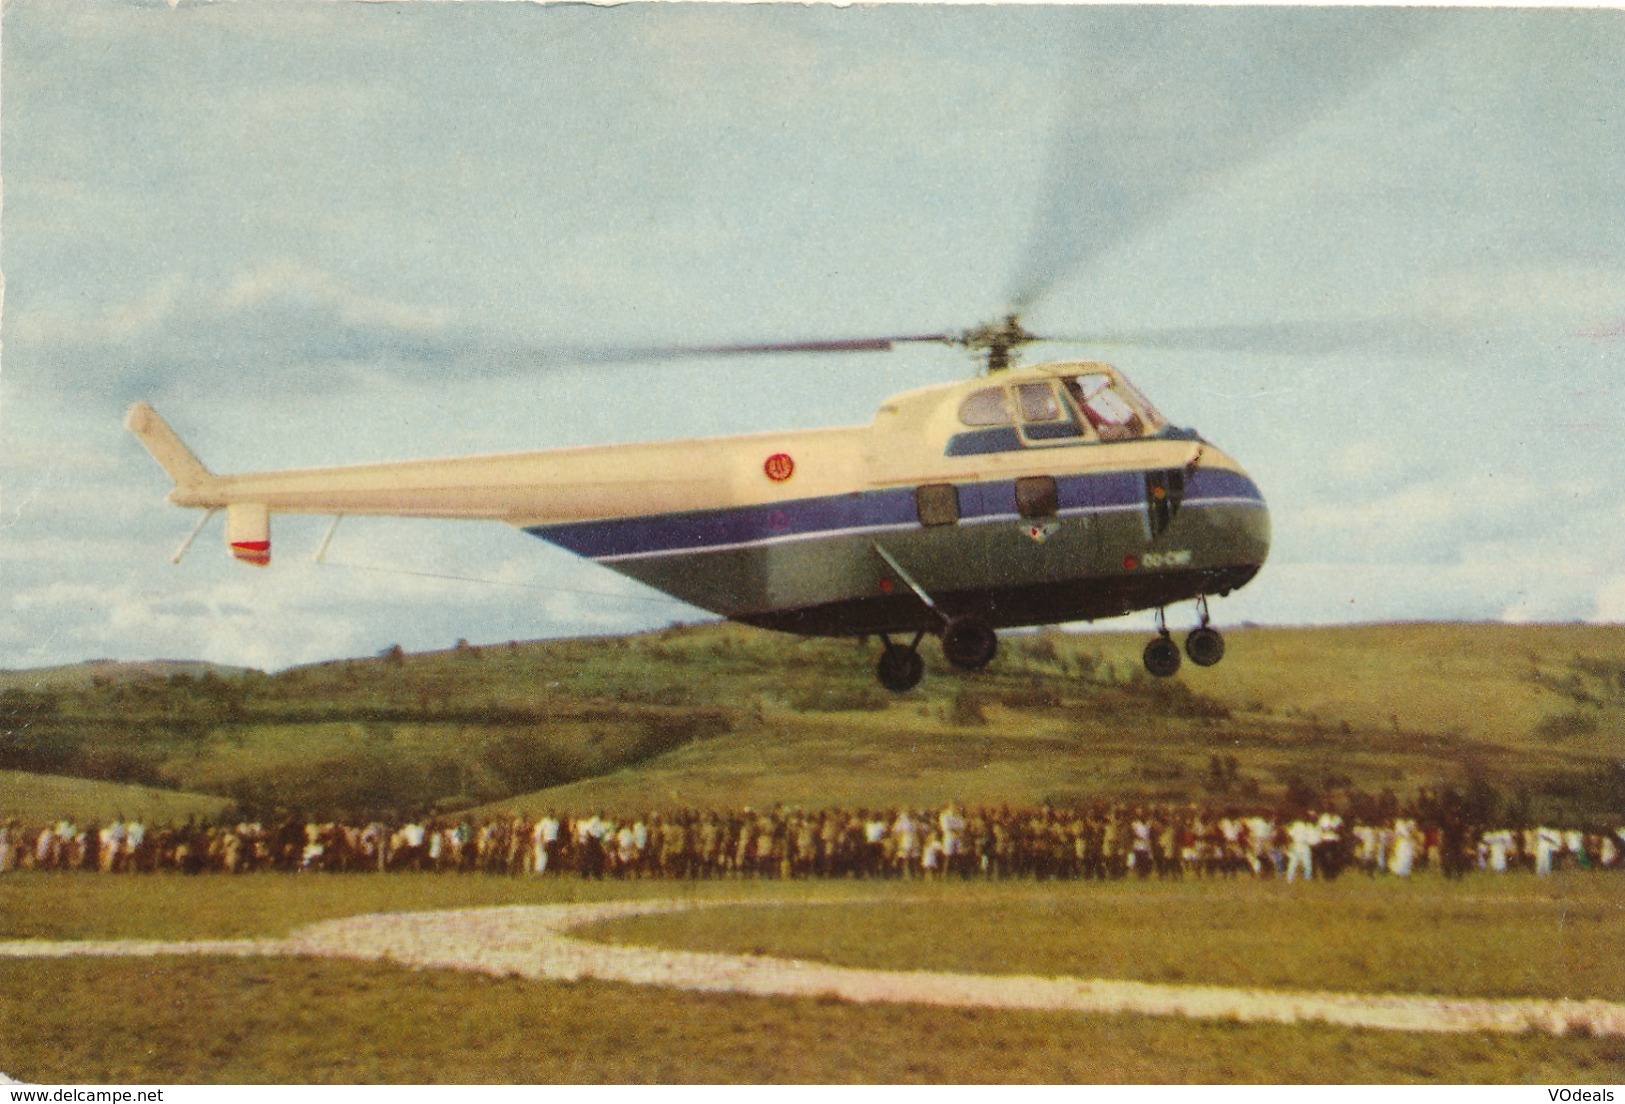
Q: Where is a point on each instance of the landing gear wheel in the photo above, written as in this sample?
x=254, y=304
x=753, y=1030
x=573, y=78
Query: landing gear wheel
x=900, y=668
x=969, y=643
x=1162, y=656
x=1205, y=646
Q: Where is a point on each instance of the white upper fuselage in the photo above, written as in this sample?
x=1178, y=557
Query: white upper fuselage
x=907, y=443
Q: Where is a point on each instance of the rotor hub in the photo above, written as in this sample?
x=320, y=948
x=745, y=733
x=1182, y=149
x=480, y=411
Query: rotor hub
x=999, y=341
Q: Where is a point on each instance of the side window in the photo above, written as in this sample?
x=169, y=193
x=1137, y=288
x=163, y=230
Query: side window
x=986, y=407
x=1038, y=403
x=1045, y=419
x=937, y=504
x=1036, y=497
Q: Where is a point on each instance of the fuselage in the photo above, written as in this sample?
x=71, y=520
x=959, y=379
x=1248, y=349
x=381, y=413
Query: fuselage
x=1040, y=495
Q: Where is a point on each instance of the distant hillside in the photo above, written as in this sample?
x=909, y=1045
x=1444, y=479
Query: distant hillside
x=1531, y=717
x=40, y=798
x=110, y=670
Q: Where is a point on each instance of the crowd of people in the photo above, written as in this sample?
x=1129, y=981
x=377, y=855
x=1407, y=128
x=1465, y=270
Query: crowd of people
x=1100, y=842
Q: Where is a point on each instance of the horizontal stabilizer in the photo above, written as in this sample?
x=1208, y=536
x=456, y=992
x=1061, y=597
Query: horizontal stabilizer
x=166, y=448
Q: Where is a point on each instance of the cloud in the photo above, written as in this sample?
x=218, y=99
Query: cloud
x=1504, y=583
x=287, y=323
x=287, y=285
x=1480, y=548
x=81, y=591
x=1433, y=521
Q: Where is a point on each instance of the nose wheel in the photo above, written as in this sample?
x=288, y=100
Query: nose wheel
x=1204, y=645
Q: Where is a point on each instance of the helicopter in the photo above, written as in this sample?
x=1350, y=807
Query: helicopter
x=1020, y=496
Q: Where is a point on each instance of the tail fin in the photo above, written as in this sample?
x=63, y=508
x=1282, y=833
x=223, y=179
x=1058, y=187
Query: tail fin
x=172, y=455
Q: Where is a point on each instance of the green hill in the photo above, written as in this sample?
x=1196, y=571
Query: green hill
x=40, y=798
x=1532, y=717
x=93, y=671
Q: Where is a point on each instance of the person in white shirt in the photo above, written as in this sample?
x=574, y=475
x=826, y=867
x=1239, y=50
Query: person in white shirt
x=1548, y=844
x=931, y=860
x=907, y=834
x=1607, y=852
x=1302, y=835
x=110, y=855
x=952, y=826
x=874, y=845
x=407, y=847
x=1406, y=842
x=135, y=836
x=1574, y=844
x=1262, y=847
x=1140, y=850
x=1365, y=847
x=544, y=841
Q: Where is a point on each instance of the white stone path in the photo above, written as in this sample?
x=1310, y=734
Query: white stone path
x=532, y=941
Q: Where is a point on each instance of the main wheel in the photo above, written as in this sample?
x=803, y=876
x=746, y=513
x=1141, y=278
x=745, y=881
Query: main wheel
x=1205, y=646
x=1162, y=657
x=969, y=643
x=900, y=668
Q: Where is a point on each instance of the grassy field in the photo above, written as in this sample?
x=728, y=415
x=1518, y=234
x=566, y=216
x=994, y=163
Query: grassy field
x=270, y=1020
x=174, y=906
x=279, y=1021
x=1482, y=937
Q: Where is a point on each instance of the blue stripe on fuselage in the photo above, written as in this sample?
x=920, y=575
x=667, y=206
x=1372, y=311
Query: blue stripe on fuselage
x=733, y=526
x=861, y=511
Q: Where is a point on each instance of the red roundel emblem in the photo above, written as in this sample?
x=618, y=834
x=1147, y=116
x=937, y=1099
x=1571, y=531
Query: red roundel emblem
x=779, y=467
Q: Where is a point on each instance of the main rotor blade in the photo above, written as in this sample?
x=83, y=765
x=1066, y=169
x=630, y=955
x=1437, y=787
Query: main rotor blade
x=634, y=354
x=831, y=345
x=1203, y=92
x=1309, y=337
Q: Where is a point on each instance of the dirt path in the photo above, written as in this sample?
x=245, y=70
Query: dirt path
x=533, y=942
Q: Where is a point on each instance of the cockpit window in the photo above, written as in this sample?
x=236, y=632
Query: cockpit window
x=1102, y=401
x=1038, y=402
x=986, y=407
x=1153, y=417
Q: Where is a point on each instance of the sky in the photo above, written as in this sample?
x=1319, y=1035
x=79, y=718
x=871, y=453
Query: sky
x=1375, y=254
